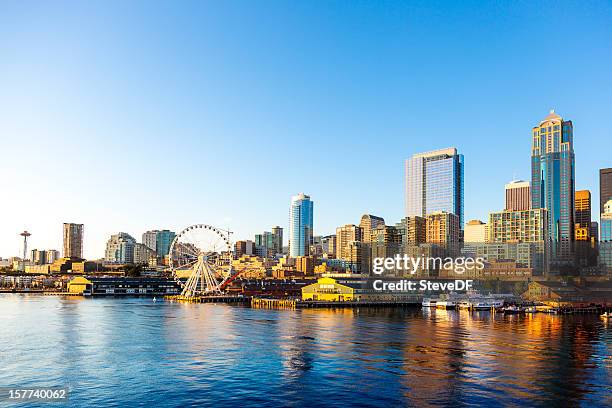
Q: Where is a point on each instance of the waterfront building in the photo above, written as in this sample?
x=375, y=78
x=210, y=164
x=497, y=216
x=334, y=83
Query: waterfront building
x=120, y=248
x=344, y=236
x=149, y=239
x=476, y=231
x=143, y=254
x=252, y=267
x=163, y=241
x=300, y=225
x=553, y=180
x=242, y=248
x=605, y=187
x=73, y=240
x=367, y=224
x=518, y=196
x=105, y=286
x=443, y=228
x=434, y=182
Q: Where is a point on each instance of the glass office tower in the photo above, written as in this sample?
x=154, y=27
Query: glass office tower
x=300, y=225
x=434, y=182
x=552, y=179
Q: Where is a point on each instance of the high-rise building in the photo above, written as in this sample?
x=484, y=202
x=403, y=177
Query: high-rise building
x=73, y=240
x=518, y=196
x=605, y=246
x=413, y=230
x=386, y=242
x=329, y=246
x=149, y=238
x=143, y=254
x=277, y=239
x=605, y=187
x=476, y=231
x=443, y=228
x=43, y=257
x=582, y=204
x=163, y=241
x=594, y=231
x=367, y=224
x=120, y=248
x=552, y=179
x=300, y=225
x=434, y=182
x=244, y=248
x=344, y=236
x=518, y=226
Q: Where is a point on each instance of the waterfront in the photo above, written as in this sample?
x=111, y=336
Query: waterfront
x=127, y=351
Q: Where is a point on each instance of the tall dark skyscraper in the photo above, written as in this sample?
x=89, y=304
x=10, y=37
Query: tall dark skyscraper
x=605, y=187
x=552, y=179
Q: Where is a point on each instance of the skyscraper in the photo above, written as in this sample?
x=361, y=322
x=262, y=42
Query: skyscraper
x=605, y=188
x=518, y=196
x=163, y=240
x=300, y=225
x=434, y=182
x=277, y=237
x=552, y=179
x=73, y=240
x=149, y=238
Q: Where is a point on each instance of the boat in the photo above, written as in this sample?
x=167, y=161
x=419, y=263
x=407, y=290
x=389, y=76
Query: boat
x=607, y=315
x=446, y=304
x=464, y=305
x=513, y=310
x=154, y=299
x=427, y=302
x=531, y=309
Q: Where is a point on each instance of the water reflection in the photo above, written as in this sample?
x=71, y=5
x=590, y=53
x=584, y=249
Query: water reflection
x=201, y=354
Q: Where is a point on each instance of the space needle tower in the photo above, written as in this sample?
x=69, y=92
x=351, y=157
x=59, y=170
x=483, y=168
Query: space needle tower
x=25, y=235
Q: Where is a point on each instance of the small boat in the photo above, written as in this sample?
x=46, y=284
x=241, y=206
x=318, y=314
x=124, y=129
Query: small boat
x=428, y=302
x=530, y=309
x=513, y=310
x=446, y=304
x=154, y=299
x=607, y=315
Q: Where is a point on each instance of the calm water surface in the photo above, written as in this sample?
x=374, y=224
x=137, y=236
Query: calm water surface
x=135, y=352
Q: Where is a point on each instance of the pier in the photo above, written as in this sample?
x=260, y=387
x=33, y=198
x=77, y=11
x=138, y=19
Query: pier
x=208, y=299
x=265, y=303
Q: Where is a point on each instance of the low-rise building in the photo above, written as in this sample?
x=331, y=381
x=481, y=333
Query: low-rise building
x=95, y=285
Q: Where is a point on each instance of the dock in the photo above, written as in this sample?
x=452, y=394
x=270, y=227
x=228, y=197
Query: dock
x=208, y=299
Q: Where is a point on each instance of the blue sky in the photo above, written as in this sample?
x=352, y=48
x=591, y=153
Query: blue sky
x=128, y=116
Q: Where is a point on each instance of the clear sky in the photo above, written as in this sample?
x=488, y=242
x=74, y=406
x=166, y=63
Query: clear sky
x=129, y=116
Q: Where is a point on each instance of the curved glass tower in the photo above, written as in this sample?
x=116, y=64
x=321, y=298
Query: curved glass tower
x=300, y=225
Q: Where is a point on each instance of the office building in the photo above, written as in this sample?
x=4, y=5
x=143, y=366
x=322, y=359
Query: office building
x=149, y=238
x=434, y=182
x=386, y=242
x=73, y=240
x=582, y=205
x=277, y=239
x=300, y=225
x=518, y=196
x=329, y=246
x=605, y=248
x=476, y=231
x=120, y=248
x=367, y=224
x=552, y=180
x=605, y=187
x=244, y=248
x=443, y=228
x=344, y=236
x=163, y=241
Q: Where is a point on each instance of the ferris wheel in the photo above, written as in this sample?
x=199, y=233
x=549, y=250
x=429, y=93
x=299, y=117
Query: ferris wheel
x=203, y=254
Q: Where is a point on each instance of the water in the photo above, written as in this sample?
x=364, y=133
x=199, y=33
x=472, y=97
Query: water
x=136, y=352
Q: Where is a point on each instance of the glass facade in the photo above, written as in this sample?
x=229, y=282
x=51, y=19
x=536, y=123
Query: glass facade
x=434, y=182
x=552, y=184
x=163, y=241
x=300, y=225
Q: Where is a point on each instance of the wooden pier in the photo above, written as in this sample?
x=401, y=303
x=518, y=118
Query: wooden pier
x=381, y=304
x=208, y=299
x=264, y=303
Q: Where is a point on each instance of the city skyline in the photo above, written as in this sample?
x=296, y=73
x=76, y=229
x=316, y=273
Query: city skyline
x=133, y=132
